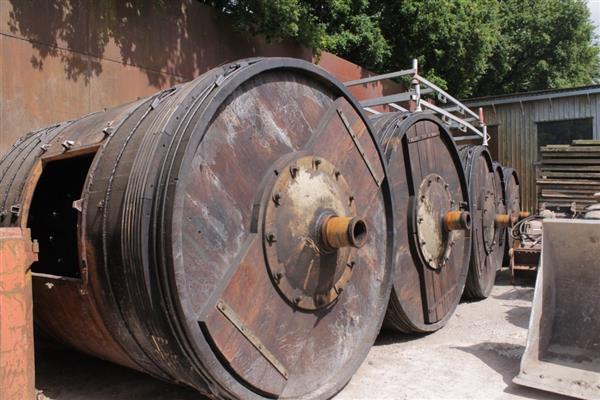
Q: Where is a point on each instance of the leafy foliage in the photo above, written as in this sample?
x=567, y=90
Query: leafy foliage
x=344, y=27
x=542, y=44
x=470, y=47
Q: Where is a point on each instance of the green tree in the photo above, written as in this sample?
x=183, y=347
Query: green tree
x=542, y=44
x=343, y=27
x=452, y=39
x=470, y=47
x=277, y=19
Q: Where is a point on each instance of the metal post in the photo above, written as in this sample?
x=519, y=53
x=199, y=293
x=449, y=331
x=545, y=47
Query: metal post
x=416, y=85
x=483, y=126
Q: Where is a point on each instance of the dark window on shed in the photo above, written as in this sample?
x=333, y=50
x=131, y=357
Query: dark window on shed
x=564, y=132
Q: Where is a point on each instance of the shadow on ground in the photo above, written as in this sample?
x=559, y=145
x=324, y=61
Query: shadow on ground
x=390, y=337
x=62, y=373
x=505, y=359
x=518, y=316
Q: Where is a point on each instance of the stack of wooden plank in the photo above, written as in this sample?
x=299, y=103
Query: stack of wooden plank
x=569, y=175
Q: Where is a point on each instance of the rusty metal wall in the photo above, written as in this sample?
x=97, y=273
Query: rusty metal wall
x=60, y=59
x=17, y=372
x=517, y=132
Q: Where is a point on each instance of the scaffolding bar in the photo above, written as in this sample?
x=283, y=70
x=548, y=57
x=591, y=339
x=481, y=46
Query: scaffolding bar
x=393, y=98
x=440, y=91
x=455, y=118
x=376, y=78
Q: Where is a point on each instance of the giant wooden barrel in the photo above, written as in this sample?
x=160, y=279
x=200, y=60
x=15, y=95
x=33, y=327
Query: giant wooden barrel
x=510, y=180
x=233, y=234
x=431, y=220
x=488, y=221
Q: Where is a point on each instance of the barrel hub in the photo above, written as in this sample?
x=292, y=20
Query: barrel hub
x=434, y=202
x=311, y=233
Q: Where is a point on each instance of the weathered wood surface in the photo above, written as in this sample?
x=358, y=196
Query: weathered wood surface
x=568, y=175
x=418, y=147
x=486, y=204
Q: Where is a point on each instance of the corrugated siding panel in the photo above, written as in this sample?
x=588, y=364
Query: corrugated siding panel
x=517, y=133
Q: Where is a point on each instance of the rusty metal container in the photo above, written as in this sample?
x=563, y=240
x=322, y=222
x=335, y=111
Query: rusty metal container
x=489, y=221
x=233, y=234
x=17, y=368
x=431, y=220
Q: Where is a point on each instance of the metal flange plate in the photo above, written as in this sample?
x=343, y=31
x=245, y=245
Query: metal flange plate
x=434, y=200
x=303, y=192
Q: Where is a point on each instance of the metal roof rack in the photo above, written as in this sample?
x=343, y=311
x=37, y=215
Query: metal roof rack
x=466, y=120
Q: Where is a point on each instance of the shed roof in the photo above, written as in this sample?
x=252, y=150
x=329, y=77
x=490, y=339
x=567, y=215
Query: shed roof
x=532, y=96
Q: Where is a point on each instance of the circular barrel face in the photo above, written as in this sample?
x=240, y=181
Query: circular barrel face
x=513, y=204
x=234, y=233
x=502, y=217
x=487, y=223
x=431, y=219
x=261, y=285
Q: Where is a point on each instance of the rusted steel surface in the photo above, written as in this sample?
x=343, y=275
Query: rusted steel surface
x=17, y=369
x=457, y=220
x=429, y=186
x=192, y=245
x=82, y=60
x=341, y=232
x=524, y=258
x=485, y=192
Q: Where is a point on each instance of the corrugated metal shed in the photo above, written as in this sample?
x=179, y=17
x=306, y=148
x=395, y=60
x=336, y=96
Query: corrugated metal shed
x=517, y=117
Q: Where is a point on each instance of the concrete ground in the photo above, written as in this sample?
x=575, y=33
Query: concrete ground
x=475, y=356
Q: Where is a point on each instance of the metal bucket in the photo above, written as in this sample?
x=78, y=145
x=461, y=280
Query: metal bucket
x=563, y=343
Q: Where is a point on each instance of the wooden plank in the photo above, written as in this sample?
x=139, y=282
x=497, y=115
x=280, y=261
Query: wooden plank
x=567, y=148
x=568, y=182
x=558, y=203
x=569, y=156
x=570, y=161
x=572, y=168
x=550, y=191
x=568, y=197
x=586, y=142
x=581, y=189
x=573, y=193
x=563, y=174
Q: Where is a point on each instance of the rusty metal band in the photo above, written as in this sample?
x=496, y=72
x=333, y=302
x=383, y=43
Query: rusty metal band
x=252, y=338
x=359, y=147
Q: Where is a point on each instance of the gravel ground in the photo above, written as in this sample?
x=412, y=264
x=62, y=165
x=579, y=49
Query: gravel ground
x=475, y=356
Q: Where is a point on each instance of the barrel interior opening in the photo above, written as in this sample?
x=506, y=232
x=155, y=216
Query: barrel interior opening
x=359, y=232
x=53, y=218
